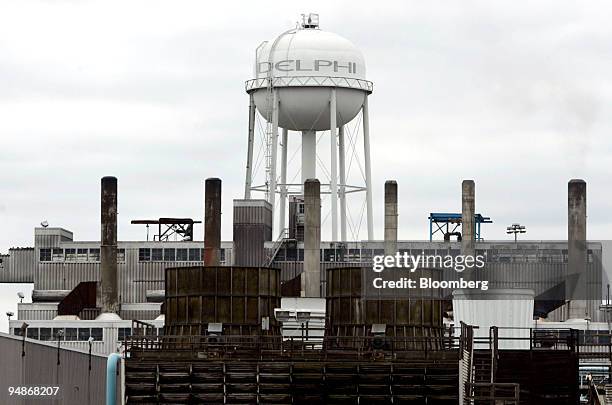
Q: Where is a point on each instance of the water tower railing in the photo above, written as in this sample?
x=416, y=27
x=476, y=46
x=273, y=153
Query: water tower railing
x=305, y=81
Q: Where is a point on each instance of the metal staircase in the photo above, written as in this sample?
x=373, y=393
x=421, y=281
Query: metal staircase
x=284, y=236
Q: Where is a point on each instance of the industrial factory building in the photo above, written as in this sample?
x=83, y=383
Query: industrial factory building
x=294, y=319
x=255, y=287
x=62, y=270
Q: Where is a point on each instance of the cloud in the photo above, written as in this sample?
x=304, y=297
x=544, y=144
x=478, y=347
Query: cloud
x=152, y=92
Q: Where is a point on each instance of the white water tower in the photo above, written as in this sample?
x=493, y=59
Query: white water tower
x=309, y=80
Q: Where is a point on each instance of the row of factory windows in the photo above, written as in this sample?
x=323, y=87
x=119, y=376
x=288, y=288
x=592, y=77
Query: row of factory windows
x=64, y=334
x=144, y=255
x=78, y=334
x=294, y=254
x=173, y=255
x=75, y=255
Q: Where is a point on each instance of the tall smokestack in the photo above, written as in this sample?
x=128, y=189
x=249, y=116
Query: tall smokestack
x=212, y=222
x=576, y=249
x=109, y=297
x=311, y=276
x=390, y=217
x=468, y=210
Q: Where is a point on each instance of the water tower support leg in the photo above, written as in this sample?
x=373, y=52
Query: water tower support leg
x=283, y=180
x=274, y=140
x=342, y=191
x=368, y=167
x=309, y=155
x=249, y=164
x=334, y=165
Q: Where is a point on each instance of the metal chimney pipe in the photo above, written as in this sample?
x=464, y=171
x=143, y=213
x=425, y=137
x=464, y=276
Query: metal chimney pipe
x=109, y=295
x=468, y=210
x=212, y=222
x=391, y=217
x=311, y=276
x=576, y=249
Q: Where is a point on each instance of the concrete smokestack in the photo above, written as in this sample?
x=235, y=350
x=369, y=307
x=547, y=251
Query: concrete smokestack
x=109, y=296
x=311, y=276
x=468, y=210
x=391, y=217
x=212, y=222
x=576, y=249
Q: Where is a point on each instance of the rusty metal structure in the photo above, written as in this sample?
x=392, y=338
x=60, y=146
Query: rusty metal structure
x=212, y=222
x=167, y=227
x=240, y=300
x=354, y=310
x=109, y=296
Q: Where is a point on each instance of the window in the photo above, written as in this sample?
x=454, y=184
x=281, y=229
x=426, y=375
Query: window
x=94, y=255
x=81, y=255
x=181, y=255
x=160, y=332
x=71, y=334
x=45, y=334
x=120, y=255
x=222, y=255
x=32, y=333
x=84, y=334
x=194, y=255
x=45, y=255
x=169, y=255
x=56, y=331
x=58, y=255
x=604, y=338
x=17, y=331
x=144, y=254
x=301, y=208
x=96, y=334
x=291, y=254
x=124, y=332
x=329, y=255
x=353, y=255
x=157, y=254
x=70, y=255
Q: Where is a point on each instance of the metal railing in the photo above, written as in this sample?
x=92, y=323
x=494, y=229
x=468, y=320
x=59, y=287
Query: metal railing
x=357, y=347
x=309, y=81
x=495, y=393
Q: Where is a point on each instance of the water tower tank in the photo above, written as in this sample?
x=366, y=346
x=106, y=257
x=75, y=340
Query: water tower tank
x=305, y=62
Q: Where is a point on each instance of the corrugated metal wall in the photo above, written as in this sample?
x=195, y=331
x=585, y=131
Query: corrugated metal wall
x=18, y=266
x=37, y=311
x=78, y=385
x=252, y=228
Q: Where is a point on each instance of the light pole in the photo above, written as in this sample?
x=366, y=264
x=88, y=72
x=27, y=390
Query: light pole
x=516, y=229
x=24, y=329
x=90, y=341
x=60, y=334
x=9, y=314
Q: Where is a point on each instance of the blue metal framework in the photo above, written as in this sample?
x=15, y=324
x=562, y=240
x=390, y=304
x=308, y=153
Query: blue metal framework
x=444, y=222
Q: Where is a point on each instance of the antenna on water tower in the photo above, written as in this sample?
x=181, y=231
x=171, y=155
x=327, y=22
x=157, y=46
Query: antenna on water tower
x=308, y=80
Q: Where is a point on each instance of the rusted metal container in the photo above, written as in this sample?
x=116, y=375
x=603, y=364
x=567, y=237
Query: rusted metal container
x=242, y=299
x=352, y=307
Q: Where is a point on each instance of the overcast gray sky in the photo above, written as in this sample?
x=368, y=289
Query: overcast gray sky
x=515, y=95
